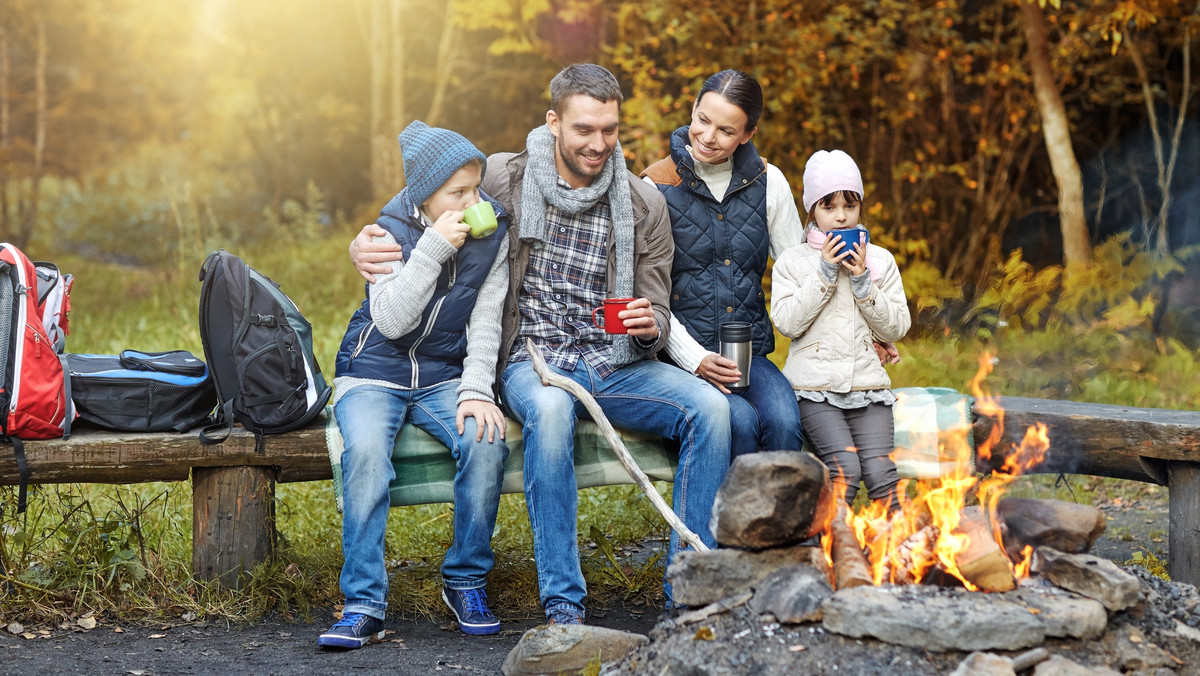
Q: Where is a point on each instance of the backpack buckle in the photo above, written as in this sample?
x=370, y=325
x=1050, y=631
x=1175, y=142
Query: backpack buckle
x=266, y=320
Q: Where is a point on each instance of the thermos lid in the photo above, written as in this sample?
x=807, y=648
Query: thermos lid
x=736, y=332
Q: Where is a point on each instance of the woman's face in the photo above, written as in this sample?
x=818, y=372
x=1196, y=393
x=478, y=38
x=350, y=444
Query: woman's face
x=836, y=214
x=718, y=128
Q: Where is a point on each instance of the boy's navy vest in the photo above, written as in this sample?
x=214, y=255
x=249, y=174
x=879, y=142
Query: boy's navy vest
x=433, y=352
x=721, y=247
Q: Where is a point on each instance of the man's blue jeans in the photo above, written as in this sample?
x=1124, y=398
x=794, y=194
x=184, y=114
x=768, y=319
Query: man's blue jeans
x=765, y=416
x=370, y=418
x=646, y=396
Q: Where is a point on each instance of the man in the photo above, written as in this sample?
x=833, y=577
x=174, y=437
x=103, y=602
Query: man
x=585, y=229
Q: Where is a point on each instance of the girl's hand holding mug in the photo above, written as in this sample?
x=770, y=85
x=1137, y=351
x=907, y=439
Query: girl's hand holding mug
x=450, y=226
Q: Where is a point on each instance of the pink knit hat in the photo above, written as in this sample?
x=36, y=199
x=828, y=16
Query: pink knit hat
x=827, y=172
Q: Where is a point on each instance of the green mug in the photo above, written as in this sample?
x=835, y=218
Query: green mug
x=481, y=218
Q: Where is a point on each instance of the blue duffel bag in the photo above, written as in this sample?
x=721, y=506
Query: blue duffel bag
x=142, y=391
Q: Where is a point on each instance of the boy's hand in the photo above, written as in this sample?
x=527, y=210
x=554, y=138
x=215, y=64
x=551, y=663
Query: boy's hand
x=450, y=226
x=486, y=414
x=718, y=370
x=638, y=318
x=367, y=254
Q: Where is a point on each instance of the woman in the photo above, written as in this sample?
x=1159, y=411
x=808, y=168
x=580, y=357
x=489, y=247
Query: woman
x=730, y=210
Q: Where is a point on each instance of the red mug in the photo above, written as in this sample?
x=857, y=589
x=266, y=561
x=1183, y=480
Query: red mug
x=609, y=321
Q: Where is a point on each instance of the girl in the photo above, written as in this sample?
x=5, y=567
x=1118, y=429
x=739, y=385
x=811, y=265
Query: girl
x=833, y=306
x=729, y=209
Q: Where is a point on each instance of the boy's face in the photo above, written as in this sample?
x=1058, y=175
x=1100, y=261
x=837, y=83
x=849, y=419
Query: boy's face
x=836, y=213
x=456, y=194
x=585, y=134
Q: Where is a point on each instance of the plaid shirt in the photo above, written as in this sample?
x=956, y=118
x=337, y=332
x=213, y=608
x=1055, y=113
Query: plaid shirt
x=565, y=281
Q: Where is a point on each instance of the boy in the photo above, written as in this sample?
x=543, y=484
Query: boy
x=422, y=349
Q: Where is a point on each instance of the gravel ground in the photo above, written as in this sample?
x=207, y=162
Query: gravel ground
x=742, y=645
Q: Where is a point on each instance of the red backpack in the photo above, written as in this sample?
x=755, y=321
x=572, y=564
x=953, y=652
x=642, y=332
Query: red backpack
x=34, y=388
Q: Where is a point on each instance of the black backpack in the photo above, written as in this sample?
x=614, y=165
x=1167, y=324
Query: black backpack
x=259, y=349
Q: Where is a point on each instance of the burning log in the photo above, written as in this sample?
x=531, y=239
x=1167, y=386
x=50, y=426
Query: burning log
x=850, y=567
x=982, y=562
x=914, y=556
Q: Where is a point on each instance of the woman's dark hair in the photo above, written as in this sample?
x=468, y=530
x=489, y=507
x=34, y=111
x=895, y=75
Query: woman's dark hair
x=739, y=89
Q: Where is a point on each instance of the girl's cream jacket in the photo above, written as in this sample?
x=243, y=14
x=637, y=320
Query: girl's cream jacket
x=831, y=330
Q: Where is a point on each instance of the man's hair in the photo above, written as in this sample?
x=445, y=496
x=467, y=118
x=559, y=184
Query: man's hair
x=584, y=78
x=739, y=89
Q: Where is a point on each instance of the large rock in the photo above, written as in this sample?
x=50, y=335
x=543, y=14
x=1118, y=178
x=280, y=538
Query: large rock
x=1066, y=615
x=936, y=620
x=701, y=578
x=793, y=594
x=1066, y=526
x=555, y=648
x=1091, y=576
x=772, y=499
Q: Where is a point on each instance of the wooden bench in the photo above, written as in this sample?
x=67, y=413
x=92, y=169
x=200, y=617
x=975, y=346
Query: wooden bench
x=233, y=487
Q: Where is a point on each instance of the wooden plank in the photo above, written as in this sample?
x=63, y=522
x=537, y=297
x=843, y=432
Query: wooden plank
x=1183, y=556
x=233, y=522
x=93, y=455
x=1100, y=439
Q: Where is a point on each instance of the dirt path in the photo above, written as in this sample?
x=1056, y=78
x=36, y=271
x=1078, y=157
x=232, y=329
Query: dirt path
x=277, y=648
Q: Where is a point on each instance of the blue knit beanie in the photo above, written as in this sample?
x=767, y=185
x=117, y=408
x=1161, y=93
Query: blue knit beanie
x=431, y=156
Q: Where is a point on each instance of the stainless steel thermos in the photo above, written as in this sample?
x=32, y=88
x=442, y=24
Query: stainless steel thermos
x=736, y=344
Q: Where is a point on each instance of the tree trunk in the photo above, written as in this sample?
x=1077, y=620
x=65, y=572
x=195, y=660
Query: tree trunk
x=5, y=74
x=25, y=236
x=393, y=159
x=377, y=50
x=1055, y=128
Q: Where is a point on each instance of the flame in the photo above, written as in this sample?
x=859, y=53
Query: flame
x=924, y=533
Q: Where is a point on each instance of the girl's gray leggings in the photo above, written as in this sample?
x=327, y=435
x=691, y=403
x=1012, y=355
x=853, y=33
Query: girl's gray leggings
x=854, y=443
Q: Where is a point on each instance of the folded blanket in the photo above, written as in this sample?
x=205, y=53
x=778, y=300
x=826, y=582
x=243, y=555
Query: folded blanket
x=926, y=421
x=425, y=468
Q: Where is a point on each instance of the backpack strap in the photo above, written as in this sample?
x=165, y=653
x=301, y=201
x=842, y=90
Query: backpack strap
x=70, y=413
x=224, y=421
x=22, y=472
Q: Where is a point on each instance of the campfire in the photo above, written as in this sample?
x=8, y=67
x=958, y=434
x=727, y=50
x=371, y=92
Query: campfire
x=939, y=534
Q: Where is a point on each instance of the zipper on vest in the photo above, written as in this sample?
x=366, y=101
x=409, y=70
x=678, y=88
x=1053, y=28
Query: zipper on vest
x=412, y=351
x=363, y=335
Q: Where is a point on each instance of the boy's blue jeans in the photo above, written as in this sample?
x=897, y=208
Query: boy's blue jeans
x=370, y=418
x=645, y=396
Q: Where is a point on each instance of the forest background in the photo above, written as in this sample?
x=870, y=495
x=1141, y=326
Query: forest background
x=1034, y=166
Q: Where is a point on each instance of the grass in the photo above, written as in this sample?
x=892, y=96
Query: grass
x=126, y=550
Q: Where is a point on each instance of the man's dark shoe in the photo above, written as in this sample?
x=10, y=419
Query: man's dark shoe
x=563, y=615
x=471, y=609
x=354, y=630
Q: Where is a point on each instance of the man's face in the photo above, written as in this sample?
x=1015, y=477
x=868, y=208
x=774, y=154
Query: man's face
x=585, y=133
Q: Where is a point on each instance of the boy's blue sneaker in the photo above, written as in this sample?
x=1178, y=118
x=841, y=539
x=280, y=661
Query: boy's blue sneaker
x=563, y=615
x=471, y=609
x=354, y=630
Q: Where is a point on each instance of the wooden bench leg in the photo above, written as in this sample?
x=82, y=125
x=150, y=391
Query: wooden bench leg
x=1183, y=557
x=233, y=521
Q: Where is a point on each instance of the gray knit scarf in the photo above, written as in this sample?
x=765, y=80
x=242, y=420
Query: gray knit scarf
x=540, y=186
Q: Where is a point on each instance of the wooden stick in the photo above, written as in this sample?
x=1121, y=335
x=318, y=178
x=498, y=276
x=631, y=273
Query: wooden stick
x=850, y=567
x=639, y=477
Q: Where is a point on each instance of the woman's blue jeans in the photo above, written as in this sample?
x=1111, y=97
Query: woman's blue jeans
x=645, y=396
x=765, y=417
x=370, y=418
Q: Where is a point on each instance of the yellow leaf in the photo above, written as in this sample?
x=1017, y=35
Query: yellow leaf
x=704, y=634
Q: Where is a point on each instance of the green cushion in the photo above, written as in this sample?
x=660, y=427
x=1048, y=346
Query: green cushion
x=425, y=468
x=930, y=423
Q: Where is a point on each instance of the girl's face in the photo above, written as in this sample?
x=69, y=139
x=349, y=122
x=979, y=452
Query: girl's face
x=718, y=128
x=835, y=213
x=457, y=193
